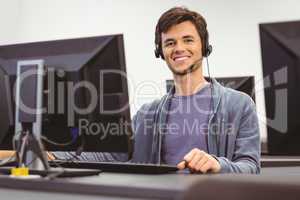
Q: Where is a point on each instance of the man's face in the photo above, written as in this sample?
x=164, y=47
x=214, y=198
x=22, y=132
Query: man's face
x=181, y=46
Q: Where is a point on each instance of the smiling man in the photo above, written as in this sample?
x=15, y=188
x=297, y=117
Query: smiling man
x=199, y=124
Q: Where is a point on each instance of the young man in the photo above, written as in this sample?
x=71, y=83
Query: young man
x=199, y=124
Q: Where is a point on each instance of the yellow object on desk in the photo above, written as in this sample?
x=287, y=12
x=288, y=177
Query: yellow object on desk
x=20, y=171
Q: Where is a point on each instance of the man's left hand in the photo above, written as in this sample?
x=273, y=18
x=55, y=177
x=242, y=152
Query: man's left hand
x=200, y=161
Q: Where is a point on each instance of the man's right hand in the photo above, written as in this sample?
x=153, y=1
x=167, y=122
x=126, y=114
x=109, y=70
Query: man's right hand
x=200, y=161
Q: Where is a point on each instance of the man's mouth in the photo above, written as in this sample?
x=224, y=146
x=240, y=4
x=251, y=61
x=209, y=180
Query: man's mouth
x=180, y=58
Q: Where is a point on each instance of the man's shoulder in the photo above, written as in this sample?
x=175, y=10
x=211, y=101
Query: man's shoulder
x=235, y=98
x=150, y=106
x=148, y=109
x=145, y=113
x=235, y=94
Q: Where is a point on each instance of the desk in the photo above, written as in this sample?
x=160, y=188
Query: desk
x=278, y=183
x=166, y=186
x=280, y=161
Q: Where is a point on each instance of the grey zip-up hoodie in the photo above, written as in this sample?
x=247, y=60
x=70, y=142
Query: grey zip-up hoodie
x=233, y=138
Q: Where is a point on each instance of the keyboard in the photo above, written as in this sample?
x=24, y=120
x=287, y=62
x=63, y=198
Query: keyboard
x=119, y=167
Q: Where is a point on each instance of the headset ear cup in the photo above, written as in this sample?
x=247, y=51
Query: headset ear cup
x=156, y=53
x=208, y=50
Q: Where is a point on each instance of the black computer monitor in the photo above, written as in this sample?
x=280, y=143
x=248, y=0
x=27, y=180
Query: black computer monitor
x=6, y=119
x=85, y=93
x=280, y=50
x=244, y=84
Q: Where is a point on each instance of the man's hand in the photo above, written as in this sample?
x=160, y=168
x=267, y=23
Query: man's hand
x=199, y=161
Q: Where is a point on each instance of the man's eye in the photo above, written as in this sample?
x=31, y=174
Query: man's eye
x=168, y=44
x=188, y=40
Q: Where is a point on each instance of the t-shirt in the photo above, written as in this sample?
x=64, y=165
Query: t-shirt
x=187, y=125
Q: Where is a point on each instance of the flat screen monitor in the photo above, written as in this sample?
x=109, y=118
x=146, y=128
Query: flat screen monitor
x=241, y=83
x=280, y=50
x=85, y=93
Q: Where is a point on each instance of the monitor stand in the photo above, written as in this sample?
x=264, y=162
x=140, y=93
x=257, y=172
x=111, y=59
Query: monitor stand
x=29, y=149
x=28, y=146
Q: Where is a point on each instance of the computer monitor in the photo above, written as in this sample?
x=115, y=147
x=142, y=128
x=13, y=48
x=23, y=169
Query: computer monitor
x=280, y=50
x=6, y=119
x=241, y=83
x=85, y=93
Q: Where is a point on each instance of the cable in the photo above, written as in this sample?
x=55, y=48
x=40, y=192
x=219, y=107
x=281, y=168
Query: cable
x=212, y=104
x=56, y=143
x=157, y=126
x=211, y=84
x=29, y=163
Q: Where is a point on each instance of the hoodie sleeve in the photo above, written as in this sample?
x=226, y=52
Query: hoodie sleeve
x=246, y=157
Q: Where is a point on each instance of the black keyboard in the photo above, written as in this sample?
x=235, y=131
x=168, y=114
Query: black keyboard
x=121, y=167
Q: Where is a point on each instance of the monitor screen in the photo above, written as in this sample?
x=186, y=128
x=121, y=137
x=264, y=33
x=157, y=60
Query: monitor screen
x=85, y=95
x=280, y=50
x=242, y=83
x=6, y=118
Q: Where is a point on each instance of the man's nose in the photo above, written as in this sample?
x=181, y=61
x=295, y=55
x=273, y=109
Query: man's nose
x=179, y=47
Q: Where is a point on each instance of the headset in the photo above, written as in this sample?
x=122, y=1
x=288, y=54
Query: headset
x=206, y=49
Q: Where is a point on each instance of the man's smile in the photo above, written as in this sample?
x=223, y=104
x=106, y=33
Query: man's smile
x=180, y=58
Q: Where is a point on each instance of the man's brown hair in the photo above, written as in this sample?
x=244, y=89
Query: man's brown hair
x=176, y=16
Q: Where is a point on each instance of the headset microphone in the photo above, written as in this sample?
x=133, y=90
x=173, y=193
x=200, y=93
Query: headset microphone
x=190, y=69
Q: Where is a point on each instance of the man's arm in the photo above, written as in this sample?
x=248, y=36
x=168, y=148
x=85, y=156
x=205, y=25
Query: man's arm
x=246, y=158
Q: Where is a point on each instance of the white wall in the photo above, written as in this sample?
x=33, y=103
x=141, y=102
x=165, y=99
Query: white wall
x=9, y=21
x=233, y=27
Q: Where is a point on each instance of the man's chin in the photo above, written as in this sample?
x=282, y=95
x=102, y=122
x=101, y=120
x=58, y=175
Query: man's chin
x=179, y=70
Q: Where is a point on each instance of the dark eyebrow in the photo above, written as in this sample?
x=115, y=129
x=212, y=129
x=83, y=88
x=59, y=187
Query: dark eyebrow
x=173, y=40
x=188, y=37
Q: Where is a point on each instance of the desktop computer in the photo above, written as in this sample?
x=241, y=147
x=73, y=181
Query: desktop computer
x=84, y=94
x=280, y=50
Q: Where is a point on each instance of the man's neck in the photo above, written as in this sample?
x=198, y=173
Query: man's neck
x=190, y=83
